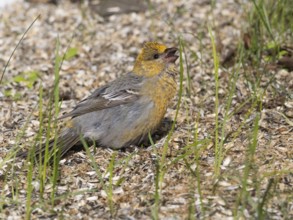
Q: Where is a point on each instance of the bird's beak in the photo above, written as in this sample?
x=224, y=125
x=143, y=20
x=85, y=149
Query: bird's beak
x=170, y=55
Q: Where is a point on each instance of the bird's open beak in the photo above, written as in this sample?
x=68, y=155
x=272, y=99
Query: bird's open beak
x=170, y=55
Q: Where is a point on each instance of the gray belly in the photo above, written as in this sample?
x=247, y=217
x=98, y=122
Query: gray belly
x=110, y=127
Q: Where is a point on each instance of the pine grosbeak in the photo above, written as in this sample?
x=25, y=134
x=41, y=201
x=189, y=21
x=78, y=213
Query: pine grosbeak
x=125, y=110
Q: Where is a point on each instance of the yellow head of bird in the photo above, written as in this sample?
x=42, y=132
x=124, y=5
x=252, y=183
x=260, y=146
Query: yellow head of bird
x=153, y=59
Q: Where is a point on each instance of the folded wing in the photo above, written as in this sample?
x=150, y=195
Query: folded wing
x=121, y=91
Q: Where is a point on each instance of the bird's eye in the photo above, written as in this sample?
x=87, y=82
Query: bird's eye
x=156, y=56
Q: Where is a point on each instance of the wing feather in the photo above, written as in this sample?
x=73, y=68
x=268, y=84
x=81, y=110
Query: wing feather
x=121, y=91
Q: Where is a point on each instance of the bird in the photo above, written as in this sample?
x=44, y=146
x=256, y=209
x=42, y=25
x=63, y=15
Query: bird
x=124, y=111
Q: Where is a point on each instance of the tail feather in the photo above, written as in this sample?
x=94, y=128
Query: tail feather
x=65, y=142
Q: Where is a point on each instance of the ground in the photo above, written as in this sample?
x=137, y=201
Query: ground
x=248, y=128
